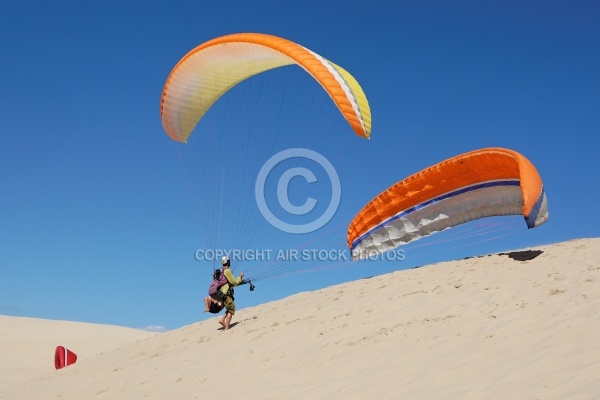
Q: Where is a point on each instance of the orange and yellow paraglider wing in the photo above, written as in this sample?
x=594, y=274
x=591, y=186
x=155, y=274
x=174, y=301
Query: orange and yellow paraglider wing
x=214, y=67
x=473, y=185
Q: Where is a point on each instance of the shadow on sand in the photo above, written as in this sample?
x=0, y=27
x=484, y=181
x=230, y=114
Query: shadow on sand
x=524, y=255
x=233, y=324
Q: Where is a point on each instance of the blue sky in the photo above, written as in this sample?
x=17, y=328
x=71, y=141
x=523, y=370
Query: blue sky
x=99, y=220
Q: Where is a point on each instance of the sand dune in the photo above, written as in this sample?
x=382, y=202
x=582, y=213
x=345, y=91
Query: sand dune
x=489, y=327
x=27, y=344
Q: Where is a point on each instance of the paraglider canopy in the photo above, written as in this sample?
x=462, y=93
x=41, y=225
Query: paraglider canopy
x=214, y=67
x=481, y=183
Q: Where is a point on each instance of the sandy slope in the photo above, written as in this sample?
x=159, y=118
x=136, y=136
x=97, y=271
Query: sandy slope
x=27, y=344
x=482, y=328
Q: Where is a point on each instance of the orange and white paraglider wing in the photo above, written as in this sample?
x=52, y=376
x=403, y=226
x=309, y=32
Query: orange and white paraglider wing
x=214, y=67
x=481, y=183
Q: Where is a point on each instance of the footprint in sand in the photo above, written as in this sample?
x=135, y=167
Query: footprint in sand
x=555, y=292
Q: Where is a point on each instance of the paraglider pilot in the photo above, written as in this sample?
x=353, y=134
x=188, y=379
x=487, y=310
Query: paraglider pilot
x=227, y=290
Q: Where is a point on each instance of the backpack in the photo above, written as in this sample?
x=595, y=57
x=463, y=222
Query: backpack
x=219, y=279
